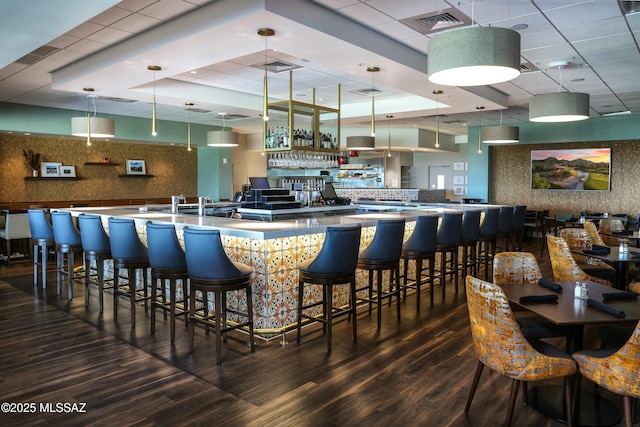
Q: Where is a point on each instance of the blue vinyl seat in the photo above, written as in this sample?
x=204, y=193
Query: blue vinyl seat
x=382, y=254
x=335, y=264
x=469, y=242
x=68, y=244
x=504, y=235
x=42, y=240
x=168, y=263
x=420, y=246
x=97, y=249
x=517, y=226
x=211, y=270
x=129, y=254
x=487, y=239
x=447, y=242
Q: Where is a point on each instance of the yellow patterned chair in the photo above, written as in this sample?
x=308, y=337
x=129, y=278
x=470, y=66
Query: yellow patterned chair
x=616, y=371
x=610, y=225
x=591, y=228
x=500, y=345
x=565, y=268
x=522, y=267
x=578, y=238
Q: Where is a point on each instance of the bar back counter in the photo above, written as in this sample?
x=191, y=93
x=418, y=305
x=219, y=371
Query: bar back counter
x=275, y=249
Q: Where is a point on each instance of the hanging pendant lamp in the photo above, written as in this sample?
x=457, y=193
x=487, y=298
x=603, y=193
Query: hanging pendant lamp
x=480, y=108
x=389, y=117
x=436, y=93
x=154, y=127
x=222, y=138
x=500, y=134
x=559, y=107
x=189, y=105
x=265, y=32
x=96, y=127
x=474, y=56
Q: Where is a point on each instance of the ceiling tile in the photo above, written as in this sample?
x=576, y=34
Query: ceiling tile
x=136, y=23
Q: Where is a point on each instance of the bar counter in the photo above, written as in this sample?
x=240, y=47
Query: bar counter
x=275, y=249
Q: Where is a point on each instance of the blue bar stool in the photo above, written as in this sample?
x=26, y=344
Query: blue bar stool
x=447, y=243
x=97, y=248
x=470, y=236
x=128, y=253
x=335, y=264
x=211, y=270
x=421, y=246
x=168, y=263
x=383, y=253
x=42, y=240
x=503, y=237
x=69, y=242
x=517, y=226
x=487, y=239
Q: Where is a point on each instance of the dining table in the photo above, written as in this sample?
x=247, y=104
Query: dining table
x=632, y=236
x=620, y=261
x=574, y=313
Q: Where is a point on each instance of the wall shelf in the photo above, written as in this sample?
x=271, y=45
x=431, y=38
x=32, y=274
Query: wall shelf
x=135, y=176
x=53, y=178
x=101, y=164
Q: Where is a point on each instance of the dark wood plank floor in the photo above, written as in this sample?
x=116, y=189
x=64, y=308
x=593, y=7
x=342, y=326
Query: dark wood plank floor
x=416, y=372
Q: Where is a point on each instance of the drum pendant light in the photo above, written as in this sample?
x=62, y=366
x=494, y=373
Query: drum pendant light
x=500, y=134
x=560, y=106
x=474, y=56
x=96, y=127
x=364, y=143
x=222, y=138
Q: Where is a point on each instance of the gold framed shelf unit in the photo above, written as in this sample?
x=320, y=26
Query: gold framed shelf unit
x=295, y=125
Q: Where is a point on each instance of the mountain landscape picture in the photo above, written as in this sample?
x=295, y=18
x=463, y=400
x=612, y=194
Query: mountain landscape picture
x=571, y=169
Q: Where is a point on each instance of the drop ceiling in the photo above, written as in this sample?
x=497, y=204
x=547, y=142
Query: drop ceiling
x=212, y=56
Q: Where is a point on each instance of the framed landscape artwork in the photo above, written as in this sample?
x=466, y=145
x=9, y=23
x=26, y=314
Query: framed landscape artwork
x=579, y=169
x=136, y=167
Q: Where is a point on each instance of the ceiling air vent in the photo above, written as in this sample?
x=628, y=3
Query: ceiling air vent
x=629, y=7
x=277, y=66
x=37, y=55
x=198, y=110
x=231, y=117
x=367, y=91
x=116, y=99
x=433, y=22
x=528, y=67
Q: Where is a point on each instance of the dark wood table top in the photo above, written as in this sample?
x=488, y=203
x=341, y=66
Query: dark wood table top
x=573, y=311
x=613, y=255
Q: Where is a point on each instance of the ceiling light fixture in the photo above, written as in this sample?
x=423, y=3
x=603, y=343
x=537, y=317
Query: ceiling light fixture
x=500, y=134
x=154, y=128
x=474, y=56
x=361, y=143
x=222, y=138
x=189, y=105
x=389, y=141
x=560, y=106
x=479, y=108
x=265, y=32
x=436, y=93
x=96, y=127
x=373, y=70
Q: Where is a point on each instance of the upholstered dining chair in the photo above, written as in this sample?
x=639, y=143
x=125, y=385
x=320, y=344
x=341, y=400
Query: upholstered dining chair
x=448, y=241
x=616, y=371
x=579, y=238
x=68, y=244
x=592, y=230
x=487, y=239
x=610, y=225
x=517, y=226
x=550, y=226
x=523, y=268
x=500, y=345
x=42, y=240
x=565, y=268
x=421, y=246
x=97, y=250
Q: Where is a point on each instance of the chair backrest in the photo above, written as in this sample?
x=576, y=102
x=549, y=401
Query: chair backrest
x=489, y=226
x=515, y=267
x=163, y=247
x=621, y=375
x=205, y=256
x=339, y=253
x=611, y=224
x=92, y=234
x=16, y=226
x=577, y=238
x=590, y=227
x=450, y=231
x=519, y=215
x=64, y=230
x=39, y=224
x=565, y=268
x=505, y=219
x=498, y=340
x=387, y=242
x=423, y=238
x=124, y=240
x=471, y=226
x=564, y=217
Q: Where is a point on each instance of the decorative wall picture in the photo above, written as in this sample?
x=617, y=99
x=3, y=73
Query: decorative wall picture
x=458, y=179
x=67, y=171
x=50, y=170
x=458, y=166
x=136, y=167
x=579, y=169
x=458, y=191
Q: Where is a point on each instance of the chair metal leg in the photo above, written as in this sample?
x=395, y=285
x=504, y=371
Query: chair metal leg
x=300, y=297
x=327, y=314
x=474, y=386
x=568, y=402
x=352, y=307
x=192, y=316
x=218, y=320
x=131, y=275
x=512, y=400
x=628, y=417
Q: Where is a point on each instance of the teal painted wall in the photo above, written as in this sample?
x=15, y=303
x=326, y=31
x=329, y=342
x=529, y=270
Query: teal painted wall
x=614, y=128
x=215, y=177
